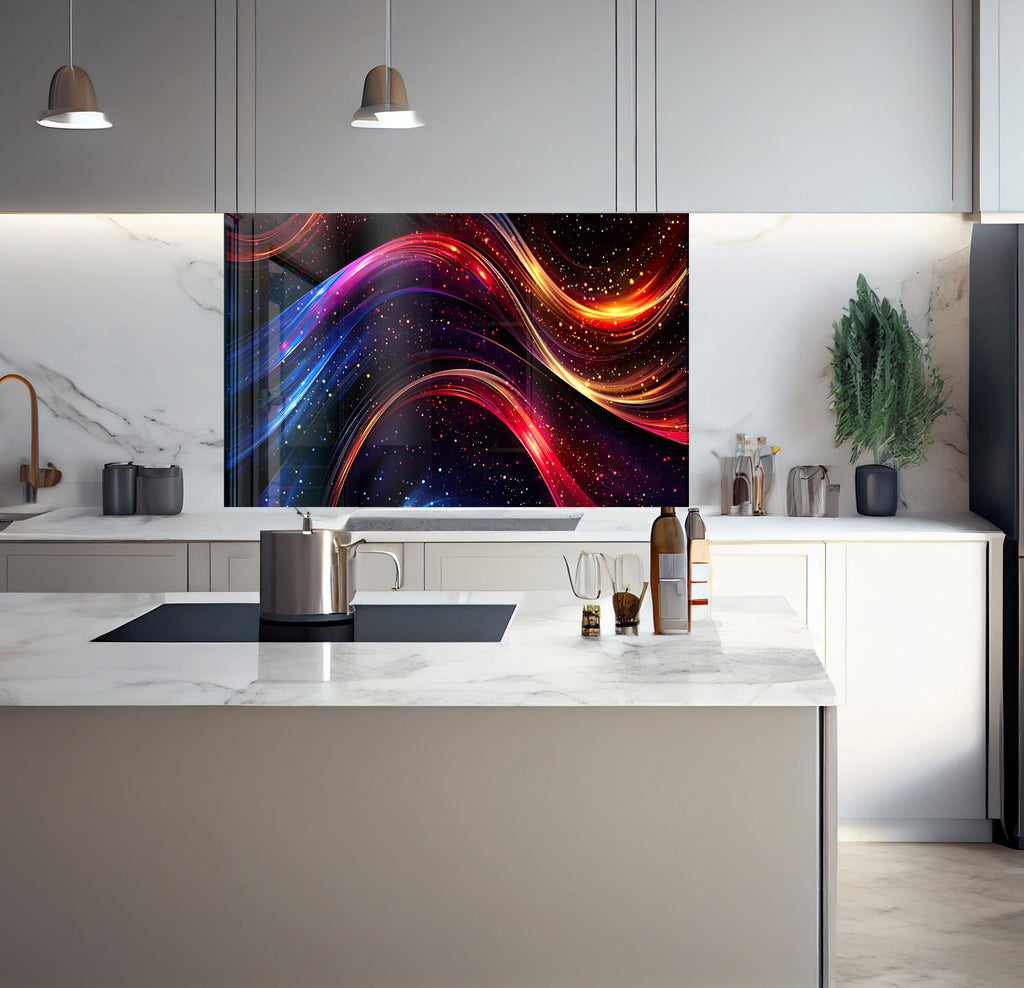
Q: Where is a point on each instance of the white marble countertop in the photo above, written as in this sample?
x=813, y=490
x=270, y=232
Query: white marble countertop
x=595, y=525
x=752, y=652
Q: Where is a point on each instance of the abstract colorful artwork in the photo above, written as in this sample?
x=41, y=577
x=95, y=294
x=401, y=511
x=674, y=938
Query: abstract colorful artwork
x=456, y=360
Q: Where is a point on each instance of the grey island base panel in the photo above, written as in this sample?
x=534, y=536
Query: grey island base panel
x=413, y=847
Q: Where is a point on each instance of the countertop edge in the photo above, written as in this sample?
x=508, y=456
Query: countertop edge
x=69, y=525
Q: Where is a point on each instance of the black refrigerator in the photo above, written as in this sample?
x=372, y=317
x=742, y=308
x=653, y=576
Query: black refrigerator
x=996, y=417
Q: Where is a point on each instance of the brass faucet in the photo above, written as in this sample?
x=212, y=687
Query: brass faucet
x=30, y=476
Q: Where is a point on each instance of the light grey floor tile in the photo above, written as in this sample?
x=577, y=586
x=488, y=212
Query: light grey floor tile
x=942, y=915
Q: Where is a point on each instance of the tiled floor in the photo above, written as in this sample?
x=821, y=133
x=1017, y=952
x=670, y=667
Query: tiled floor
x=941, y=915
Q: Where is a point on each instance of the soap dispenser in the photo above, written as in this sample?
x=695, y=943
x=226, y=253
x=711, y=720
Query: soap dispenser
x=668, y=573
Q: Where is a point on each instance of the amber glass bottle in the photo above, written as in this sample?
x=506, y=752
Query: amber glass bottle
x=668, y=573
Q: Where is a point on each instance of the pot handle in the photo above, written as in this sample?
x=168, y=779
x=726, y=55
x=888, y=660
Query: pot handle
x=394, y=559
x=343, y=546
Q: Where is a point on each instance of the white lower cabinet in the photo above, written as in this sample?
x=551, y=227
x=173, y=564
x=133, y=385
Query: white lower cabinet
x=903, y=631
x=794, y=571
x=912, y=742
x=94, y=567
x=512, y=565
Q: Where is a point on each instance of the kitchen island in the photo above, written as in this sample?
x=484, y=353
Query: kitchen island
x=544, y=810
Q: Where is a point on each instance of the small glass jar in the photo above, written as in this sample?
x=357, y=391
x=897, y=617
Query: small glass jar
x=591, y=627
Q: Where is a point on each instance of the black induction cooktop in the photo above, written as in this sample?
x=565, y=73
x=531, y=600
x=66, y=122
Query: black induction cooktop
x=240, y=622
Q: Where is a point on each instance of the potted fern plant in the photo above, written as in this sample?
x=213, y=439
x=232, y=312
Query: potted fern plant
x=886, y=393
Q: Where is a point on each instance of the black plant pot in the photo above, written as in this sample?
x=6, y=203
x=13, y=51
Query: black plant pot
x=878, y=489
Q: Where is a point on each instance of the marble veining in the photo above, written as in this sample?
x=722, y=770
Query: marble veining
x=127, y=357
x=746, y=655
x=937, y=306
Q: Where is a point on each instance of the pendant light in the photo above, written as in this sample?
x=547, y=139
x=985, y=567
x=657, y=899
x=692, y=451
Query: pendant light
x=385, y=103
x=72, y=104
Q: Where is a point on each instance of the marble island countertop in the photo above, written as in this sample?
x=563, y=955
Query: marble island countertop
x=752, y=652
x=400, y=524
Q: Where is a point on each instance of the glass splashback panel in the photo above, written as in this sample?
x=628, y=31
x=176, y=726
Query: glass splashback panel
x=456, y=360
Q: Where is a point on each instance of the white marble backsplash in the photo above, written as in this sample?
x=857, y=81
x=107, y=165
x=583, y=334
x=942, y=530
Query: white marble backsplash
x=118, y=322
x=764, y=292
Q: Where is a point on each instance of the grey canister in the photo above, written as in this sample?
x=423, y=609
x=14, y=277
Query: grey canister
x=119, y=480
x=159, y=491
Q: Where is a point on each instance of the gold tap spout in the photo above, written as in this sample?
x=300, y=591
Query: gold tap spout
x=51, y=475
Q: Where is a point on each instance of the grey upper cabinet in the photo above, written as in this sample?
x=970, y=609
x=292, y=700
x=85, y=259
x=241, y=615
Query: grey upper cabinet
x=519, y=101
x=799, y=105
x=1000, y=106
x=153, y=68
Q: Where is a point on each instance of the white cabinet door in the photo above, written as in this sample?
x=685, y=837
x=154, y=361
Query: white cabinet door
x=795, y=572
x=100, y=567
x=519, y=101
x=236, y=566
x=513, y=565
x=912, y=733
x=152, y=66
x=799, y=105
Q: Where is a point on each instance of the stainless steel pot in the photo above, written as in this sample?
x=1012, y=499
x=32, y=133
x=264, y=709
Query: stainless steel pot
x=305, y=573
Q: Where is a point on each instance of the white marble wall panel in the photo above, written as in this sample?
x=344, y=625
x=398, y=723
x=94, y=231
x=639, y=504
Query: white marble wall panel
x=764, y=292
x=118, y=321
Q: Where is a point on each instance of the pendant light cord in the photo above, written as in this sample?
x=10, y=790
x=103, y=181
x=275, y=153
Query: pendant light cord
x=387, y=52
x=71, y=32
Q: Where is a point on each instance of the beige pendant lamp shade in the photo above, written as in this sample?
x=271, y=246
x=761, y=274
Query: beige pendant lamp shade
x=385, y=102
x=72, y=103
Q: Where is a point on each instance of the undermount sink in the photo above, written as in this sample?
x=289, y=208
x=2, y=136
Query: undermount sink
x=240, y=622
x=18, y=512
x=439, y=520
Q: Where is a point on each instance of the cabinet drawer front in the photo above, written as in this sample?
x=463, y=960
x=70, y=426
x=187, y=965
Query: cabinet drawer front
x=97, y=568
x=513, y=565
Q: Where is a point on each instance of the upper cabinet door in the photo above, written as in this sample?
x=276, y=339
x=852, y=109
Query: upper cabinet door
x=518, y=97
x=803, y=106
x=152, y=65
x=1000, y=107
